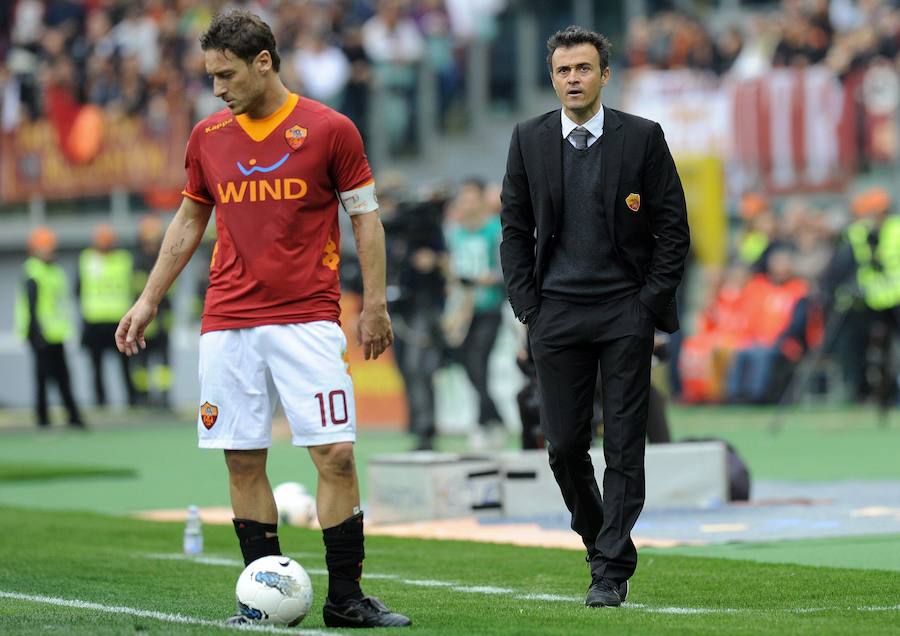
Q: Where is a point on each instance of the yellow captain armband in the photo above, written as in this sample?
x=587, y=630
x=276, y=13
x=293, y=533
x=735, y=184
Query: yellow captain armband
x=360, y=200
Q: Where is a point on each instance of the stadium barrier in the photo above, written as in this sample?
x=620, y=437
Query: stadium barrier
x=425, y=485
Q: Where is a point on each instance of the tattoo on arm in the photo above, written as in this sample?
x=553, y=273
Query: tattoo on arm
x=175, y=249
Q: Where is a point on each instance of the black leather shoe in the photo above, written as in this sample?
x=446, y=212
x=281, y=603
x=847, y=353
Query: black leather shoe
x=364, y=612
x=623, y=586
x=603, y=593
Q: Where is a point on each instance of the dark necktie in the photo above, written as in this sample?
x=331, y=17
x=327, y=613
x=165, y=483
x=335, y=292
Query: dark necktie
x=580, y=136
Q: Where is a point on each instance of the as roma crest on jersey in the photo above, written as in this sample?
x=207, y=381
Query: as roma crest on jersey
x=295, y=136
x=209, y=413
x=633, y=201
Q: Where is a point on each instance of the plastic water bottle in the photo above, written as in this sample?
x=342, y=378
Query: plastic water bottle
x=193, y=533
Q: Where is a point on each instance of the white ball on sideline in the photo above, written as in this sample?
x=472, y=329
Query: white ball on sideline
x=296, y=507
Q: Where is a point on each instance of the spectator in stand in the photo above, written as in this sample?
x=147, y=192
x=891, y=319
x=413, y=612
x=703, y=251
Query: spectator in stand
x=322, y=68
x=794, y=47
x=721, y=327
x=777, y=311
x=637, y=43
x=803, y=228
x=137, y=35
x=392, y=41
x=434, y=23
x=729, y=44
x=356, y=95
x=132, y=97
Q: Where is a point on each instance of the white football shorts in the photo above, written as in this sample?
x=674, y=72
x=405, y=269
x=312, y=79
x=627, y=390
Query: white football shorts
x=244, y=371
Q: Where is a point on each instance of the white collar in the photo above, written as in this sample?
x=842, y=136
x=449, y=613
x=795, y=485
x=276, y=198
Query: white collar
x=594, y=125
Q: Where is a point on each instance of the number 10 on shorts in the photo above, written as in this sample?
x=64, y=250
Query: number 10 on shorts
x=333, y=407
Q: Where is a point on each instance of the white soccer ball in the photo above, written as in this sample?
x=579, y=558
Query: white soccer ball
x=296, y=507
x=274, y=589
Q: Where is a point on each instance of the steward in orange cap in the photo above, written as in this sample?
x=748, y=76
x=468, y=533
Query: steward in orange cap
x=755, y=240
x=875, y=241
x=865, y=278
x=43, y=319
x=105, y=289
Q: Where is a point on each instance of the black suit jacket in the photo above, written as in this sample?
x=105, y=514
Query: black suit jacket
x=651, y=243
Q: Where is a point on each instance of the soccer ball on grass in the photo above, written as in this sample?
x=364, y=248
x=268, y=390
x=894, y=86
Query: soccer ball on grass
x=274, y=589
x=296, y=507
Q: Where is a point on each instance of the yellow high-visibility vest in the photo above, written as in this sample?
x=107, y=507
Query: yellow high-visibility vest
x=878, y=271
x=752, y=246
x=106, y=293
x=52, y=306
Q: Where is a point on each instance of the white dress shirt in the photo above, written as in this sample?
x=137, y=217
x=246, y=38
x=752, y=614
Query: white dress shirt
x=594, y=126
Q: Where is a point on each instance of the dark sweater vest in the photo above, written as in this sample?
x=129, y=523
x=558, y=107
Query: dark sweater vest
x=583, y=267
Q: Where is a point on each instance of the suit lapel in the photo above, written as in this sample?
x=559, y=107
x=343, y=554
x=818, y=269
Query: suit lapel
x=611, y=164
x=551, y=146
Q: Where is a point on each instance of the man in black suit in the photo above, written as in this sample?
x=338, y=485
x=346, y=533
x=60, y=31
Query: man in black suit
x=595, y=236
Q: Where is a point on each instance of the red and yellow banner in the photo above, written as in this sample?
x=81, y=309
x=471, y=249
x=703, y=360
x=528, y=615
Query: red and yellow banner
x=97, y=155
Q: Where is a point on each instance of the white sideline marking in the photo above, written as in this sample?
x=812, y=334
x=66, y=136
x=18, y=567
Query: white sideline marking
x=160, y=616
x=692, y=610
x=420, y=582
x=482, y=589
x=486, y=589
x=549, y=597
x=205, y=560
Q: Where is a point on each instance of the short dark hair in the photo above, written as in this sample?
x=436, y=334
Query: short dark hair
x=575, y=35
x=243, y=33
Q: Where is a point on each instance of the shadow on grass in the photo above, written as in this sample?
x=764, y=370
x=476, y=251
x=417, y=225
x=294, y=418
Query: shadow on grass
x=14, y=472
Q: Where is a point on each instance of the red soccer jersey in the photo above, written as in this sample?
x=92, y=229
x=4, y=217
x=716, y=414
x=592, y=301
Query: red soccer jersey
x=275, y=185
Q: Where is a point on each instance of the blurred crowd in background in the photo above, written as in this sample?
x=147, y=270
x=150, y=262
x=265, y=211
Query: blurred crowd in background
x=795, y=282
x=141, y=57
x=842, y=34
x=804, y=275
x=137, y=56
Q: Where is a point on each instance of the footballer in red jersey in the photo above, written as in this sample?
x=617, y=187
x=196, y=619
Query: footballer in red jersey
x=274, y=183
x=275, y=165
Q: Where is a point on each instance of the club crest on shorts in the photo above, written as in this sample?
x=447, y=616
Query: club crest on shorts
x=633, y=201
x=295, y=136
x=209, y=413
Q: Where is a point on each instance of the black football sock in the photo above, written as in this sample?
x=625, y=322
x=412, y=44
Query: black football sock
x=344, y=554
x=254, y=542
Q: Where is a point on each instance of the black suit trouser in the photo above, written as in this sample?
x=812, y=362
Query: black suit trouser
x=568, y=340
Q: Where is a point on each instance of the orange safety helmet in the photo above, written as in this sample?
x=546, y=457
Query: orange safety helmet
x=104, y=236
x=42, y=238
x=872, y=201
x=753, y=204
x=150, y=228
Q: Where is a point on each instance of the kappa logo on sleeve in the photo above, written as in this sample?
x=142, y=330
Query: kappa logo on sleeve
x=633, y=201
x=209, y=413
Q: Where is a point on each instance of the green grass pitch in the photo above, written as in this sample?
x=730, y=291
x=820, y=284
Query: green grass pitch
x=117, y=567
x=72, y=563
